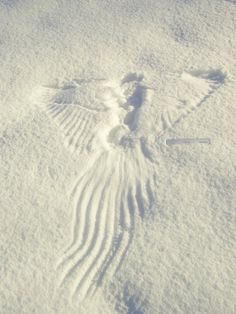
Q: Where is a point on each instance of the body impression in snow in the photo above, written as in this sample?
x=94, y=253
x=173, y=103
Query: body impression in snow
x=115, y=125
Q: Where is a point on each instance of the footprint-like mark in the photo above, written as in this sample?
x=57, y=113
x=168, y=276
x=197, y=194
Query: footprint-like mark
x=134, y=96
x=105, y=120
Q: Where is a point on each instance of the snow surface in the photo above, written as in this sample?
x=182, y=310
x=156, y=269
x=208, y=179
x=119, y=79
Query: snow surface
x=117, y=156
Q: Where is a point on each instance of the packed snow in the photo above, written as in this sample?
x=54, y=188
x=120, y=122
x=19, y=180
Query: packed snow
x=117, y=156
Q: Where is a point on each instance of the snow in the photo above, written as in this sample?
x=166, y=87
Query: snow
x=117, y=156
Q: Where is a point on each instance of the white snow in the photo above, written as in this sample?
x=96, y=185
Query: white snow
x=117, y=156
